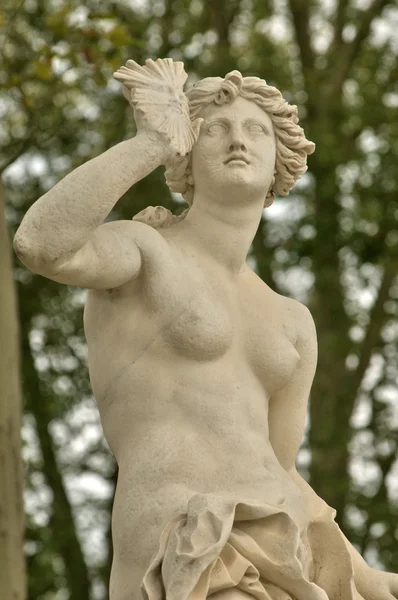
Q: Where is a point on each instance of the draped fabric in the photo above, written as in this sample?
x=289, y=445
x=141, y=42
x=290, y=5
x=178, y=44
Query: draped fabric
x=220, y=543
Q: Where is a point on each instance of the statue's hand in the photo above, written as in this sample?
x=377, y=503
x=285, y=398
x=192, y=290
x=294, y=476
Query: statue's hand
x=161, y=108
x=377, y=585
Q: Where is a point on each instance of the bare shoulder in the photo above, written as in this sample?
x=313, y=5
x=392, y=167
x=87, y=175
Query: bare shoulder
x=303, y=319
x=305, y=331
x=301, y=313
x=293, y=307
x=297, y=318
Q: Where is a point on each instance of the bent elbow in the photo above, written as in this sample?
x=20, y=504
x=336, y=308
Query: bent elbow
x=22, y=248
x=30, y=254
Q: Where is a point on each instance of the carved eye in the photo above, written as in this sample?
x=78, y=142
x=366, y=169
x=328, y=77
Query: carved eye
x=256, y=128
x=216, y=128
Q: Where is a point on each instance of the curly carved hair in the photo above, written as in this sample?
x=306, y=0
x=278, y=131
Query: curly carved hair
x=292, y=147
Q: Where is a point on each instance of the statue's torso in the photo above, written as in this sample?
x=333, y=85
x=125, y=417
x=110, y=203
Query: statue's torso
x=182, y=363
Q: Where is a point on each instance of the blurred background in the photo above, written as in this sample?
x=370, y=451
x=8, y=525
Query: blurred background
x=332, y=244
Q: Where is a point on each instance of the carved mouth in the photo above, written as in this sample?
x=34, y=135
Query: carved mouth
x=237, y=157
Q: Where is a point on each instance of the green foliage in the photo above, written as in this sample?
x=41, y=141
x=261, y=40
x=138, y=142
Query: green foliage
x=335, y=246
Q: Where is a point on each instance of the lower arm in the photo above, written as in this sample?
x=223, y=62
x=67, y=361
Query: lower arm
x=319, y=506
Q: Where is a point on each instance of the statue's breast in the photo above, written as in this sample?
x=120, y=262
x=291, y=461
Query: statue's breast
x=272, y=356
x=268, y=335
x=202, y=328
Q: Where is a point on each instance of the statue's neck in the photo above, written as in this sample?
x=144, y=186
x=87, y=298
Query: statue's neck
x=223, y=232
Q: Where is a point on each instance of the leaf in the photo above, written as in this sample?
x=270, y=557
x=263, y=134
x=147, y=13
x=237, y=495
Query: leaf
x=120, y=36
x=57, y=21
x=43, y=70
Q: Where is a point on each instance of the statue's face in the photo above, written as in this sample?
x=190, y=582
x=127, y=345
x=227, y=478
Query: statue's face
x=235, y=150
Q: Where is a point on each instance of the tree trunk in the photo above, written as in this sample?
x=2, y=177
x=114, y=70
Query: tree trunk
x=332, y=395
x=12, y=565
x=63, y=527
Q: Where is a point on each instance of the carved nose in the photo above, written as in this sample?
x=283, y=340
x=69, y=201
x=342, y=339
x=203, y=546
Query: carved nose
x=237, y=145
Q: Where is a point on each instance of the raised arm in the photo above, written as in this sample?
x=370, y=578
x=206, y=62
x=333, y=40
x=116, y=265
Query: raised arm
x=62, y=236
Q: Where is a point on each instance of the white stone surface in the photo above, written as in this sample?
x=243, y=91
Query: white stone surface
x=200, y=371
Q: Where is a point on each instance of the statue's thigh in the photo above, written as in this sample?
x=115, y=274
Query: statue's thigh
x=231, y=594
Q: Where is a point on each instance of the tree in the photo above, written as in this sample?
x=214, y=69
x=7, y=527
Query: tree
x=335, y=246
x=344, y=107
x=12, y=565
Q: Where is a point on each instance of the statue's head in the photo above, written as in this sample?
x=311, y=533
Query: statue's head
x=291, y=145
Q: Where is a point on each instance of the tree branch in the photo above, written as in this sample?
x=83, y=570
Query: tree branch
x=223, y=13
x=376, y=322
x=24, y=144
x=166, y=26
x=10, y=19
x=300, y=11
x=339, y=22
x=392, y=77
x=349, y=51
x=23, y=147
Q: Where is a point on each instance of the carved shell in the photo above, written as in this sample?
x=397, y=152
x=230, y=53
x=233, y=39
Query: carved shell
x=156, y=89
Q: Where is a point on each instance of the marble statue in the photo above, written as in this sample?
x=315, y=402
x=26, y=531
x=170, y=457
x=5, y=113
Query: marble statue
x=201, y=372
